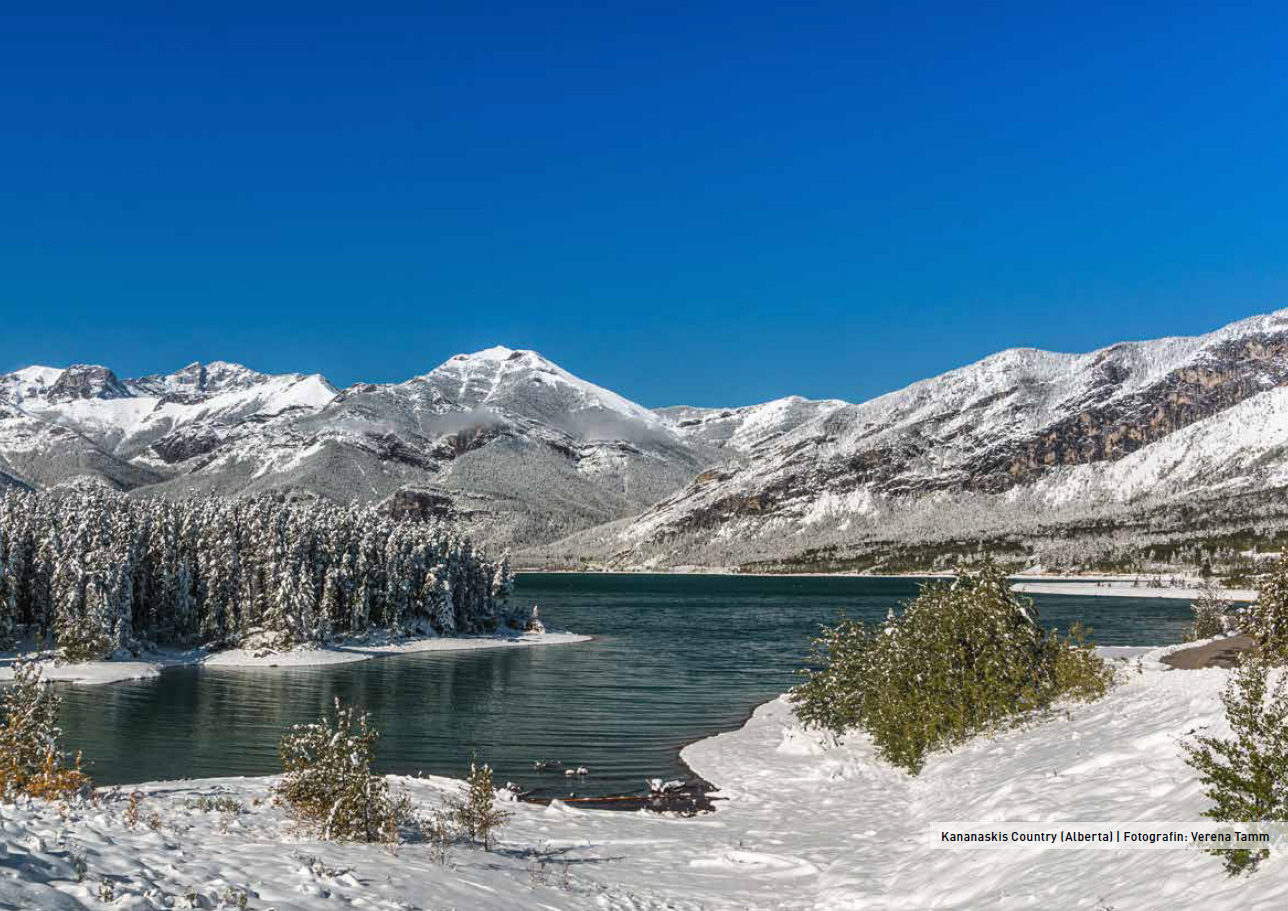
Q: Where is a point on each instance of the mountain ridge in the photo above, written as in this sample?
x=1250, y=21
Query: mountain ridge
x=526, y=454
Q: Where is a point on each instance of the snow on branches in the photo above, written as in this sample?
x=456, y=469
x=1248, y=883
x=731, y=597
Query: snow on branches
x=102, y=574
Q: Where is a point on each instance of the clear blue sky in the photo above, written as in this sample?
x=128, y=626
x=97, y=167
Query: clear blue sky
x=713, y=203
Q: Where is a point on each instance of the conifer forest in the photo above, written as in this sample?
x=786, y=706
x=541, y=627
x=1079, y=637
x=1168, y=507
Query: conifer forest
x=97, y=574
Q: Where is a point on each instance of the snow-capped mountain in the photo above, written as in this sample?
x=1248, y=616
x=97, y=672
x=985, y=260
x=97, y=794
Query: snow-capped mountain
x=1014, y=435
x=508, y=443
x=523, y=453
x=512, y=445
x=741, y=430
x=84, y=420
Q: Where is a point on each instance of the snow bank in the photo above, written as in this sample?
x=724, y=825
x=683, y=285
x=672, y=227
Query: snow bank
x=808, y=824
x=1126, y=590
x=864, y=826
x=89, y=674
x=376, y=646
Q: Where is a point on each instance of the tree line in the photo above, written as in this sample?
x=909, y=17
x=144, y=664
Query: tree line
x=99, y=574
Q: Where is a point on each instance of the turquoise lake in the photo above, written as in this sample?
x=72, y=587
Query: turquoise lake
x=675, y=658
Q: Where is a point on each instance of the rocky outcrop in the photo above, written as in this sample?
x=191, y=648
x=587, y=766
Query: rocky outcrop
x=410, y=503
x=87, y=381
x=1107, y=428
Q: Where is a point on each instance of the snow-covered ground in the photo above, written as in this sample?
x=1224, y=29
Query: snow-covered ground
x=376, y=646
x=806, y=824
x=1125, y=589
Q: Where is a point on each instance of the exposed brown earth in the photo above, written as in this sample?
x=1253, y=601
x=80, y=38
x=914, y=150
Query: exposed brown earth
x=1221, y=653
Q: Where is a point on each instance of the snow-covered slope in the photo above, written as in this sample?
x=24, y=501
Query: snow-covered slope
x=1244, y=448
x=511, y=445
x=523, y=453
x=742, y=430
x=1017, y=429
x=36, y=452
x=806, y=824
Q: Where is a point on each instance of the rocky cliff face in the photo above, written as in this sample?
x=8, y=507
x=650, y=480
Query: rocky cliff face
x=1108, y=427
x=87, y=381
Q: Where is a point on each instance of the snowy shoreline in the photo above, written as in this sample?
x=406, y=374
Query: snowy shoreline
x=1136, y=585
x=806, y=823
x=151, y=664
x=1120, y=589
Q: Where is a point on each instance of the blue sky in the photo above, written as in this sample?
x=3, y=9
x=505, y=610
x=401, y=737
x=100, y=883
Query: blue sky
x=710, y=203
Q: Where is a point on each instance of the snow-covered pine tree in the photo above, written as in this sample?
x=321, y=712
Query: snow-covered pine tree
x=1266, y=619
x=48, y=554
x=502, y=587
x=8, y=600
x=79, y=637
x=331, y=609
x=108, y=605
x=212, y=572
x=436, y=595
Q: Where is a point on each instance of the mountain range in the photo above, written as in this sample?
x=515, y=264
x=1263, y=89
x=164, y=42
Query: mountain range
x=527, y=456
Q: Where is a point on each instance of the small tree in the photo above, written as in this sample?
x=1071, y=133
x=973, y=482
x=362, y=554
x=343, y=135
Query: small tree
x=1211, y=613
x=1266, y=619
x=31, y=760
x=329, y=781
x=8, y=601
x=1247, y=777
x=962, y=659
x=478, y=814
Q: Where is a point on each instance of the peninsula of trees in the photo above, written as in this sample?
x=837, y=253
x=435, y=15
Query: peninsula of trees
x=98, y=574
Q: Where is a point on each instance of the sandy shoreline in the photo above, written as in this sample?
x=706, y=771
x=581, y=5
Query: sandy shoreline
x=94, y=673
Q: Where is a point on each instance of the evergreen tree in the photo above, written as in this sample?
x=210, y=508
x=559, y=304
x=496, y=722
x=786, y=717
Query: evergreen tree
x=478, y=814
x=1266, y=619
x=1247, y=776
x=8, y=600
x=101, y=573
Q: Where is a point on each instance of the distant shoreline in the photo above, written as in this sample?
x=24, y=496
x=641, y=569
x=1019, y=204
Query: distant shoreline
x=1106, y=585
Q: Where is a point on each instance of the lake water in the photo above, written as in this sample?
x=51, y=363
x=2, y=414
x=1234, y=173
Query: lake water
x=674, y=659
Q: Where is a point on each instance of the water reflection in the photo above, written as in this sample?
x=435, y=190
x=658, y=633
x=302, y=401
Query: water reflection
x=675, y=659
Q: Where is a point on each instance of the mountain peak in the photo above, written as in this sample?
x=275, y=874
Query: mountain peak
x=501, y=354
x=28, y=383
x=524, y=379
x=87, y=381
x=199, y=381
x=495, y=353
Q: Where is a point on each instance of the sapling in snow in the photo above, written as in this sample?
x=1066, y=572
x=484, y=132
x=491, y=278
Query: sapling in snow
x=328, y=779
x=32, y=762
x=478, y=814
x=1246, y=776
x=1212, y=613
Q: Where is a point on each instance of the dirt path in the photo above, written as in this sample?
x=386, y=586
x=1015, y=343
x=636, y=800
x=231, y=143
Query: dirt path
x=1221, y=653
